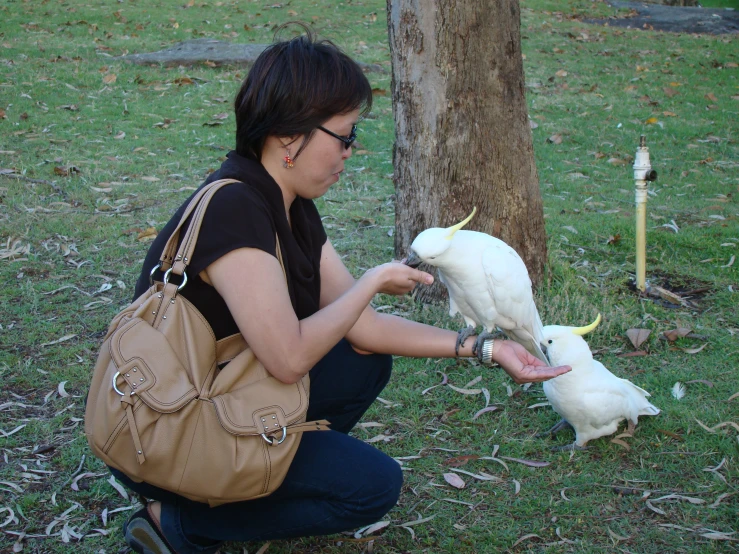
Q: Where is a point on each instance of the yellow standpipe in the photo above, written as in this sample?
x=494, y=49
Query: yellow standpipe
x=643, y=173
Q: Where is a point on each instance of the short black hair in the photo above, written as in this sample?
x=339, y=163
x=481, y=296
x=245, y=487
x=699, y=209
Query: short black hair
x=294, y=86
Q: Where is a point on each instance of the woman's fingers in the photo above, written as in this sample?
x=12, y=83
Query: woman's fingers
x=422, y=277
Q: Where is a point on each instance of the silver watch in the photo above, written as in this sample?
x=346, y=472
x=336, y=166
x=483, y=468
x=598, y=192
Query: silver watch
x=487, y=351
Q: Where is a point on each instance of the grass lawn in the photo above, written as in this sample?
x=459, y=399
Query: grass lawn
x=95, y=155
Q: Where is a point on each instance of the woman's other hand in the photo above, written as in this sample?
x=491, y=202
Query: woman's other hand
x=396, y=278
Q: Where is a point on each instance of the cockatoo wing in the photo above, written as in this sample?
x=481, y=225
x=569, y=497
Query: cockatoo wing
x=509, y=287
x=453, y=308
x=594, y=401
x=457, y=302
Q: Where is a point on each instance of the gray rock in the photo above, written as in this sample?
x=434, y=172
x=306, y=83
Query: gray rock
x=218, y=52
x=675, y=19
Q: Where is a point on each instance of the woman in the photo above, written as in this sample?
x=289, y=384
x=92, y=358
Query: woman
x=296, y=117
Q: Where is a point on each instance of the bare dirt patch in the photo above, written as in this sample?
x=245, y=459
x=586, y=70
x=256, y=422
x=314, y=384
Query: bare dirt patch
x=674, y=19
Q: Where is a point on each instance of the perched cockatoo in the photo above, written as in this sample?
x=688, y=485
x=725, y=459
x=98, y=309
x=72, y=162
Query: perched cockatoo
x=488, y=284
x=590, y=398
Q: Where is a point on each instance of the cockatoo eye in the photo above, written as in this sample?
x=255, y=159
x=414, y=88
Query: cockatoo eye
x=550, y=341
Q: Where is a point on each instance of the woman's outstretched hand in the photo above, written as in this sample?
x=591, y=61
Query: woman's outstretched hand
x=523, y=367
x=396, y=278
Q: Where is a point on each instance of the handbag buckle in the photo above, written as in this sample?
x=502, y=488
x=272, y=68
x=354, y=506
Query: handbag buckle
x=272, y=441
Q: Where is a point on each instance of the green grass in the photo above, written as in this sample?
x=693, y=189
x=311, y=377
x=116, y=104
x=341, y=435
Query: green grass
x=141, y=141
x=733, y=4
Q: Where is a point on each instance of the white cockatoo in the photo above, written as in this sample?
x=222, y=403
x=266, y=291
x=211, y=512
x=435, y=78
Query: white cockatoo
x=591, y=399
x=488, y=284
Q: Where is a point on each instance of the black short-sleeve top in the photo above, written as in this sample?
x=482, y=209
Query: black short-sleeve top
x=248, y=215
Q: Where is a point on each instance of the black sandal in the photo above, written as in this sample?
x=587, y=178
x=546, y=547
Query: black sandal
x=143, y=535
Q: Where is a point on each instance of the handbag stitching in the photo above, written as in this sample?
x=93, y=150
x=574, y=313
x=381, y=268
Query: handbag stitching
x=189, y=450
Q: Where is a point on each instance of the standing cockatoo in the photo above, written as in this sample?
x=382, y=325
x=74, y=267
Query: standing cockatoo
x=488, y=284
x=590, y=398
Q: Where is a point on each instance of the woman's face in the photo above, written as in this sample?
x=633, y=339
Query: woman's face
x=322, y=160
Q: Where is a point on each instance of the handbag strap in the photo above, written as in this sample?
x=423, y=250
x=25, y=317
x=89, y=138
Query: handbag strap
x=168, y=254
x=196, y=207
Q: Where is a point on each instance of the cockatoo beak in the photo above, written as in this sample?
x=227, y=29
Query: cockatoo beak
x=544, y=350
x=413, y=260
x=461, y=224
x=585, y=330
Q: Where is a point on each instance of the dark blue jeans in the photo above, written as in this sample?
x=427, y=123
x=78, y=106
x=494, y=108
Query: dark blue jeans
x=335, y=483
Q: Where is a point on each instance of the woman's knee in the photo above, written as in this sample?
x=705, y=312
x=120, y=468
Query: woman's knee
x=381, y=489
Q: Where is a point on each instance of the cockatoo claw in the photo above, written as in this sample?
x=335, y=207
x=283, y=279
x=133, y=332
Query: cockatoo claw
x=563, y=424
x=477, y=347
x=568, y=448
x=463, y=335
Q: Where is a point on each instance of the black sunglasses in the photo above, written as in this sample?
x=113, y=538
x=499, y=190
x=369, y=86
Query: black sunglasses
x=348, y=141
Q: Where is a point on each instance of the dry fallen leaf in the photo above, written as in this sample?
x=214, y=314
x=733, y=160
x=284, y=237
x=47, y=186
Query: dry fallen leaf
x=655, y=510
x=638, y=336
x=364, y=531
x=525, y=538
x=147, y=234
x=555, y=139
x=110, y=79
x=380, y=438
x=674, y=334
x=454, y=480
x=460, y=460
x=694, y=350
x=482, y=476
x=76, y=487
x=621, y=443
x=670, y=434
x=669, y=91
x=57, y=341
x=117, y=486
x=464, y=391
x=484, y=411
x=719, y=426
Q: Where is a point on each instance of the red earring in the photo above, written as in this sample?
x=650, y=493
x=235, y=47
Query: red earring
x=288, y=163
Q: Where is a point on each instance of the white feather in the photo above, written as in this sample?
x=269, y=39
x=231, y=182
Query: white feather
x=678, y=390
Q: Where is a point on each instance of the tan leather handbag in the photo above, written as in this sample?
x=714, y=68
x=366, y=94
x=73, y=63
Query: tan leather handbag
x=160, y=410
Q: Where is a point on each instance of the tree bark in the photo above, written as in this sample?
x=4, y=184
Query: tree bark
x=462, y=132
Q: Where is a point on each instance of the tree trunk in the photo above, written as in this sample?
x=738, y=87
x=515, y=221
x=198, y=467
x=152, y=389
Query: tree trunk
x=462, y=132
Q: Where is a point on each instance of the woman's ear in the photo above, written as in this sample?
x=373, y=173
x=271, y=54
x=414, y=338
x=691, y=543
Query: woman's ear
x=289, y=141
